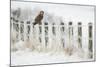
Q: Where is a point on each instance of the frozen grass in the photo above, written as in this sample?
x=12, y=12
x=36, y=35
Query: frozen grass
x=28, y=57
x=24, y=55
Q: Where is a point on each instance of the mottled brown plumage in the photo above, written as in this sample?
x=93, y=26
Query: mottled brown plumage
x=39, y=18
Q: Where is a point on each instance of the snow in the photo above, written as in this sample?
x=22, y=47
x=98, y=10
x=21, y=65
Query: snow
x=30, y=57
x=26, y=56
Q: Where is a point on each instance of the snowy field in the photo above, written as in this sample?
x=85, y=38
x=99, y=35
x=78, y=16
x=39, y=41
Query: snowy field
x=33, y=58
x=32, y=52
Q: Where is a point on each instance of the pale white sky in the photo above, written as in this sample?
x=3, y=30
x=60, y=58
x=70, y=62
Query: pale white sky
x=88, y=2
x=68, y=12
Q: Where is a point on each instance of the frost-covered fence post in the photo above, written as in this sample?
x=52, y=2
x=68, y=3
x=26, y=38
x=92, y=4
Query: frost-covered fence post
x=22, y=30
x=46, y=34
x=70, y=34
x=13, y=31
x=79, y=35
x=62, y=34
x=90, y=42
x=16, y=26
x=25, y=30
x=54, y=29
x=11, y=24
x=28, y=30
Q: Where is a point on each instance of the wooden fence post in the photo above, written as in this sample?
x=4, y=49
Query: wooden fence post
x=79, y=35
x=16, y=25
x=25, y=31
x=90, y=42
x=28, y=30
x=46, y=34
x=70, y=33
x=62, y=28
x=22, y=30
x=11, y=24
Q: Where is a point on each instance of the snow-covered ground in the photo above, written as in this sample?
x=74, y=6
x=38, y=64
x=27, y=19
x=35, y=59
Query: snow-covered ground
x=34, y=57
